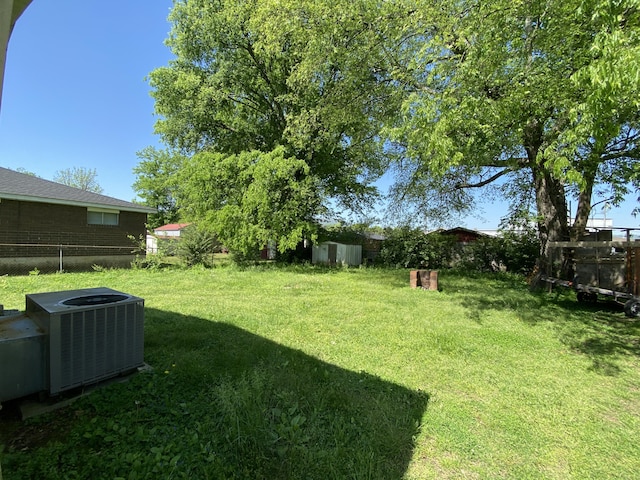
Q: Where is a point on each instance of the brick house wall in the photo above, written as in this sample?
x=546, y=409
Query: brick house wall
x=51, y=225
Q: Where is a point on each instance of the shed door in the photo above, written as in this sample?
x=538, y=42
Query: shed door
x=333, y=252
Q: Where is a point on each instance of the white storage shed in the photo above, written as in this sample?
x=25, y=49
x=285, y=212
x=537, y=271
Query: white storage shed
x=332, y=253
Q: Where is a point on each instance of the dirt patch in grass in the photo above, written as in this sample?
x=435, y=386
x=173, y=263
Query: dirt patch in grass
x=24, y=435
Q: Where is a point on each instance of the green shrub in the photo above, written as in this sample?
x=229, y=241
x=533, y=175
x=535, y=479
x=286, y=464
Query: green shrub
x=143, y=258
x=521, y=250
x=196, y=246
x=411, y=248
x=515, y=252
x=168, y=246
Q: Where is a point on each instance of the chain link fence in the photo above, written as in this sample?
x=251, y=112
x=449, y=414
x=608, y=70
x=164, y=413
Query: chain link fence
x=31, y=258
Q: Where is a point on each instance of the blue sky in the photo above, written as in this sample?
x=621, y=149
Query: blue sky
x=75, y=94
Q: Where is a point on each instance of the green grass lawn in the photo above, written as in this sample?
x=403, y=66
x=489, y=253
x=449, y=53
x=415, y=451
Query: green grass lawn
x=302, y=372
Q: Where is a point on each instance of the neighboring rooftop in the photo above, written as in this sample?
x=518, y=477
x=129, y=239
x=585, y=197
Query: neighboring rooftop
x=29, y=188
x=171, y=227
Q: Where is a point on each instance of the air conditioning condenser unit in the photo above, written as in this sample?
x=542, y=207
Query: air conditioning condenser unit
x=74, y=338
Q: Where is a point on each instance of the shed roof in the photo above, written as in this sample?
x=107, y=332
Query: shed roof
x=28, y=188
x=453, y=231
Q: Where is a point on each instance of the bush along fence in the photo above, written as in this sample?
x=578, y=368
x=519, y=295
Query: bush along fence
x=30, y=258
x=411, y=248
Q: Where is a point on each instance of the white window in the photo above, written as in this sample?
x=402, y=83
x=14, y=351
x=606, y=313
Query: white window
x=102, y=217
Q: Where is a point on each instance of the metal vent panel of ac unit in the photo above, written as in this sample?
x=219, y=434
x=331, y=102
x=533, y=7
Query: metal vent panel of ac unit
x=94, y=334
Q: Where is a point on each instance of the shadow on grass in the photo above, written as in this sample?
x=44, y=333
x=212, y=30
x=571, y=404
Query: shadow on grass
x=601, y=331
x=225, y=403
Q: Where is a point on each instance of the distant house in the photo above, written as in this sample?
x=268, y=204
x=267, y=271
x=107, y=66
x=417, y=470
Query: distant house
x=48, y=226
x=166, y=233
x=269, y=251
x=170, y=230
x=463, y=235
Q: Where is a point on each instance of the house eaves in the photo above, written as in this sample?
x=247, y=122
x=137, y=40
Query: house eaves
x=28, y=188
x=10, y=11
x=18, y=7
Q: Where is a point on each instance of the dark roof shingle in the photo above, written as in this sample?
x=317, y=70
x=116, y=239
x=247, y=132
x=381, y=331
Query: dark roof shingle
x=20, y=186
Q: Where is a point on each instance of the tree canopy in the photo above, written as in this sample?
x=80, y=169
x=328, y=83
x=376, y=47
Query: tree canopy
x=79, y=177
x=538, y=99
x=263, y=74
x=536, y=96
x=251, y=199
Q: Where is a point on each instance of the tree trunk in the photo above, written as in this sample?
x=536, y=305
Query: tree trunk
x=552, y=210
x=550, y=194
x=582, y=216
x=584, y=206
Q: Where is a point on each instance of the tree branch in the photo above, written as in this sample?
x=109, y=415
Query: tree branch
x=482, y=183
x=265, y=76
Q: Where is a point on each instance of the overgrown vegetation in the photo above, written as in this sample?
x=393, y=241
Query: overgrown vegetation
x=194, y=247
x=197, y=246
x=276, y=112
x=277, y=373
x=411, y=248
x=509, y=251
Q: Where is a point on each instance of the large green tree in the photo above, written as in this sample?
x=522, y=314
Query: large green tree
x=539, y=97
x=263, y=74
x=251, y=199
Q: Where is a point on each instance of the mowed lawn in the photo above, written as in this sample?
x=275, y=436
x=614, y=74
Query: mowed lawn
x=302, y=372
